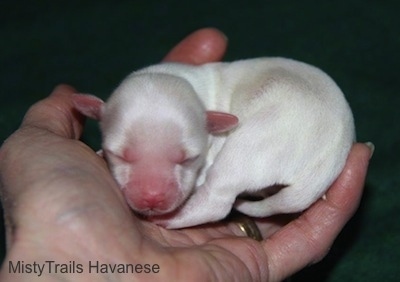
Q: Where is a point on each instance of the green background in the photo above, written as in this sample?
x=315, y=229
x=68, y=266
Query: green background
x=94, y=44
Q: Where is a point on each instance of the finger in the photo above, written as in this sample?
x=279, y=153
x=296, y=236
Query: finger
x=56, y=114
x=202, y=46
x=38, y=153
x=307, y=239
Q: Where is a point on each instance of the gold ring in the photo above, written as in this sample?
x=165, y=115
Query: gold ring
x=247, y=225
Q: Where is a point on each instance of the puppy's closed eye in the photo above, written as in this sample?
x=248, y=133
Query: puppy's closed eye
x=189, y=160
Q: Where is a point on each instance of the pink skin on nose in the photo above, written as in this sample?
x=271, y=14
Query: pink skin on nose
x=152, y=188
x=151, y=194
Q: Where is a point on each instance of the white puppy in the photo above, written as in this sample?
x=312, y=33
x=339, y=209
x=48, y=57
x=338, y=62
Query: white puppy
x=285, y=140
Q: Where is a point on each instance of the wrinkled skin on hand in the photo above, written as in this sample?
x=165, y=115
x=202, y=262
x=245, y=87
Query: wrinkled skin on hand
x=61, y=203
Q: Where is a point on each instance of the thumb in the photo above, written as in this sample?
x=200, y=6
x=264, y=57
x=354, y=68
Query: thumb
x=56, y=114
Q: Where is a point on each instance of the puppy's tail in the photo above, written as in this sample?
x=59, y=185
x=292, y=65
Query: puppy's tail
x=284, y=200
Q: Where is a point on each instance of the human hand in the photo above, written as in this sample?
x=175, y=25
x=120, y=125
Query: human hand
x=61, y=204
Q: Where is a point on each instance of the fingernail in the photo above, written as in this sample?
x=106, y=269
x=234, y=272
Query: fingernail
x=371, y=146
x=221, y=33
x=225, y=36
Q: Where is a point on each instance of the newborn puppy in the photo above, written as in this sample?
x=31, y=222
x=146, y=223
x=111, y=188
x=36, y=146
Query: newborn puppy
x=294, y=133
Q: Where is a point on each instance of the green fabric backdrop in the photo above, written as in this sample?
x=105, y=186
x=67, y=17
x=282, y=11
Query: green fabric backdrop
x=94, y=44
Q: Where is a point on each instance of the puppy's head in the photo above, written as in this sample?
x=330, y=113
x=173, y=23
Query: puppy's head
x=155, y=136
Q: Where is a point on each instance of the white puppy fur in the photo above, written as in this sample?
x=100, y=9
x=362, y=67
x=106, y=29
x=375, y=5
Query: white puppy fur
x=294, y=133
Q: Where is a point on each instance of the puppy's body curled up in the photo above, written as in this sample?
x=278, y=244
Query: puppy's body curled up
x=185, y=141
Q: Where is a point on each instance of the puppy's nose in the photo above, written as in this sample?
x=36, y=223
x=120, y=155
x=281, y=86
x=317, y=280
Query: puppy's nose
x=153, y=201
x=144, y=196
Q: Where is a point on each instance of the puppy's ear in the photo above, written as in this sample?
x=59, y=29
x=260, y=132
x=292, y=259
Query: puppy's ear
x=219, y=122
x=88, y=105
